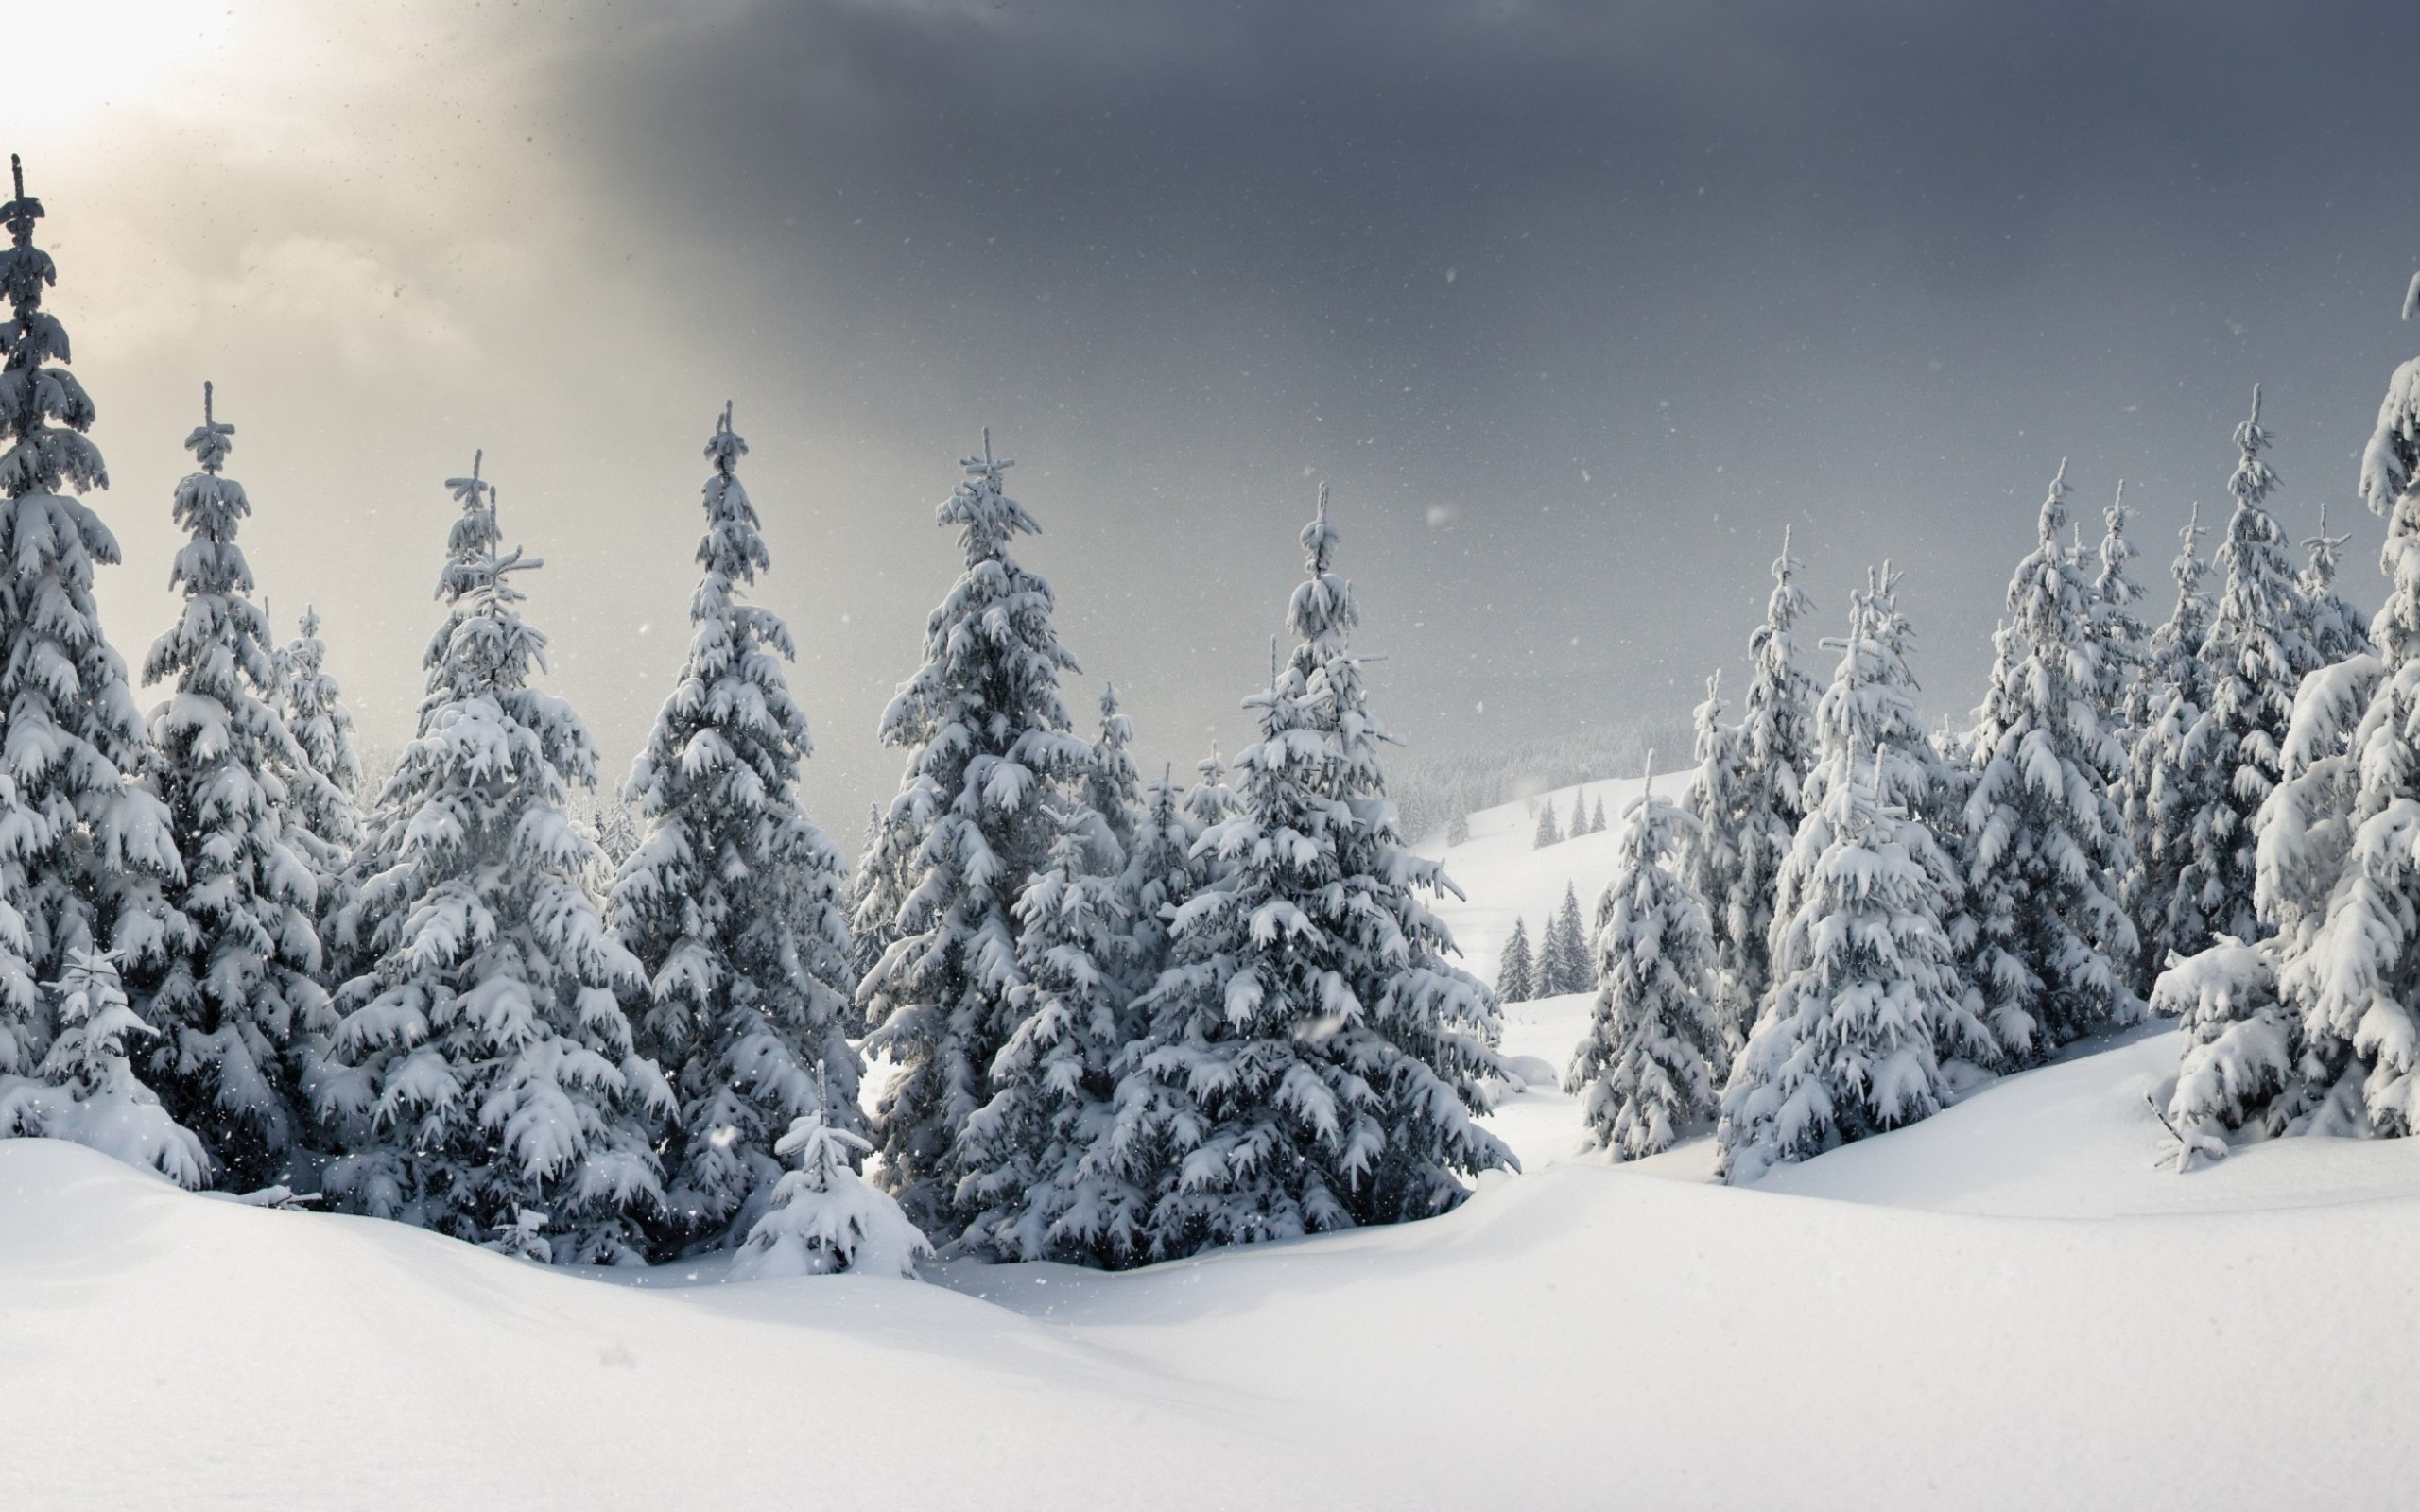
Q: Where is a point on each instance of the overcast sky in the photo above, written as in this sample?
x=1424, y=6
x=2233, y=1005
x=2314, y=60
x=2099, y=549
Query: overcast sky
x=1575, y=307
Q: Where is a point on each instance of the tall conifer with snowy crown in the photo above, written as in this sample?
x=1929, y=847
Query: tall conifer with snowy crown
x=987, y=739
x=483, y=1078
x=1516, y=974
x=732, y=902
x=2254, y=654
x=1311, y=1060
x=2045, y=845
x=2122, y=631
x=1709, y=860
x=84, y=850
x=2335, y=627
x=1565, y=964
x=1113, y=788
x=1865, y=986
x=327, y=812
x=1652, y=1062
x=1775, y=746
x=240, y=1010
x=2169, y=773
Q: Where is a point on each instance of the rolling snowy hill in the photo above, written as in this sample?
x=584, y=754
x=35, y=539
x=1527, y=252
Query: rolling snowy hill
x=2011, y=1305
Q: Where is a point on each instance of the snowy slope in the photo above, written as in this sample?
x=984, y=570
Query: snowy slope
x=1503, y=878
x=2011, y=1305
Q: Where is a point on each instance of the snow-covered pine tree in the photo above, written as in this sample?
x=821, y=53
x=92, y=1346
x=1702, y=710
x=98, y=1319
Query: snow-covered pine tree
x=1865, y=986
x=732, y=901
x=2339, y=880
x=1311, y=1061
x=1564, y=963
x=484, y=1067
x=2122, y=630
x=1774, y=746
x=1709, y=861
x=2336, y=627
x=1516, y=977
x=2254, y=654
x=2169, y=773
x=1021, y=1154
x=1596, y=816
x=1550, y=828
x=325, y=814
x=1113, y=788
x=84, y=851
x=824, y=1217
x=86, y=1091
x=1578, y=824
x=1867, y=728
x=1653, y=1062
x=241, y=1015
x=987, y=740
x=1457, y=829
x=2044, y=848
x=1210, y=800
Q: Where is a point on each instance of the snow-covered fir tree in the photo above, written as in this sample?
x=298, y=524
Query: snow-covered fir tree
x=2338, y=881
x=2334, y=627
x=1709, y=861
x=1772, y=749
x=987, y=738
x=732, y=902
x=1311, y=1060
x=1113, y=788
x=1564, y=962
x=1653, y=1061
x=1210, y=800
x=1865, y=986
x=1867, y=728
x=2170, y=772
x=484, y=1067
x=824, y=1217
x=1596, y=816
x=2122, y=631
x=2254, y=654
x=86, y=1091
x=2044, y=846
x=237, y=1003
x=1516, y=974
x=1023, y=1152
x=325, y=814
x=1457, y=829
x=1578, y=824
x=84, y=849
x=1550, y=829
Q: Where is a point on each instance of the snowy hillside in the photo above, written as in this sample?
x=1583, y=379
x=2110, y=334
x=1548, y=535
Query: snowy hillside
x=2011, y=1305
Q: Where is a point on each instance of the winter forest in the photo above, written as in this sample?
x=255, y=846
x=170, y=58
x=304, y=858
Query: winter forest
x=1894, y=1087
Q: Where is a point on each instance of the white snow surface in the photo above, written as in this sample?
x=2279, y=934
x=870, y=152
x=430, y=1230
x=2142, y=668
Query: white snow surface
x=2011, y=1304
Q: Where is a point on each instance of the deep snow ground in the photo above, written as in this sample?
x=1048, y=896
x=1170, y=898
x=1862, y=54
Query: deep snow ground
x=2011, y=1305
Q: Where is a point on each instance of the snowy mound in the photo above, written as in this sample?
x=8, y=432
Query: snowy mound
x=1583, y=1336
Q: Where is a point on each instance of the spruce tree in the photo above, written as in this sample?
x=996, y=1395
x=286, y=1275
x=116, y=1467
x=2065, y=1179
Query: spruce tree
x=1564, y=965
x=732, y=901
x=1867, y=728
x=1457, y=829
x=323, y=808
x=1578, y=824
x=2335, y=627
x=1311, y=1060
x=86, y=1091
x=2255, y=655
x=1516, y=977
x=2044, y=844
x=2170, y=773
x=240, y=1012
x=1709, y=860
x=1550, y=829
x=1866, y=986
x=483, y=1078
x=987, y=740
x=2122, y=631
x=823, y=1216
x=1596, y=816
x=1653, y=1062
x=1113, y=788
x=1775, y=746
x=84, y=847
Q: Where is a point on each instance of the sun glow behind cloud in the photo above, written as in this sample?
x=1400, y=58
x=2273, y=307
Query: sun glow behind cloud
x=99, y=54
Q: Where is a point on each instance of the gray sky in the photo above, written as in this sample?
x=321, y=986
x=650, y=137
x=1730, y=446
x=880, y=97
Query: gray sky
x=1574, y=306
